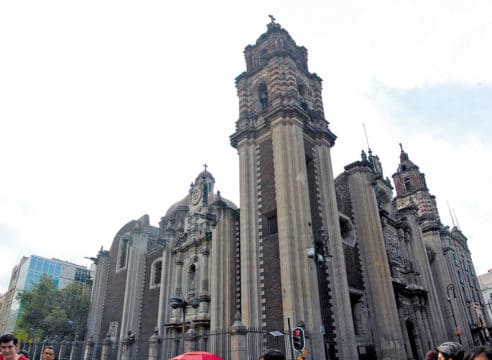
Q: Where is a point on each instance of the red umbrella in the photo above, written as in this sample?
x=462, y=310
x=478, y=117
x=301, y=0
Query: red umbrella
x=197, y=355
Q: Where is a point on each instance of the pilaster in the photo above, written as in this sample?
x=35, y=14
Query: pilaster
x=250, y=285
x=384, y=319
x=345, y=335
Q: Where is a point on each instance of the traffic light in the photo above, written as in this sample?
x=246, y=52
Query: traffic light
x=298, y=338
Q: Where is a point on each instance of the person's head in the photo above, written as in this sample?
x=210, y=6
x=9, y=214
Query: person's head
x=48, y=353
x=480, y=353
x=9, y=346
x=431, y=355
x=272, y=354
x=450, y=350
x=24, y=352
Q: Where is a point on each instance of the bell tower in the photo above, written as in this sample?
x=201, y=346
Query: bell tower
x=287, y=199
x=411, y=188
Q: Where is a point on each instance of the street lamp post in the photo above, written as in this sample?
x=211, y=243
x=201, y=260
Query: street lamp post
x=449, y=288
x=178, y=303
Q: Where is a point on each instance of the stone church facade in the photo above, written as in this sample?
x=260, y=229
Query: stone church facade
x=367, y=275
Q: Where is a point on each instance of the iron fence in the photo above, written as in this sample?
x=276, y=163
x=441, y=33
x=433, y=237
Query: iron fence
x=219, y=342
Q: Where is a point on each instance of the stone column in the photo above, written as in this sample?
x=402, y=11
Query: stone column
x=425, y=319
x=406, y=340
x=155, y=345
x=300, y=292
x=179, y=277
x=204, y=296
x=191, y=339
x=250, y=268
x=98, y=295
x=239, y=341
x=177, y=314
x=421, y=330
x=344, y=328
x=385, y=322
x=128, y=346
x=421, y=262
x=165, y=290
x=106, y=348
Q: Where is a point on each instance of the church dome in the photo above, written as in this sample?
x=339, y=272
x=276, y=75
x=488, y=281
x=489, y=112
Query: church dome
x=204, y=177
x=179, y=205
x=205, y=174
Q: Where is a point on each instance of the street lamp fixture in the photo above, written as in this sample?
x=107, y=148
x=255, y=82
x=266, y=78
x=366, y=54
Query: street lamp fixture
x=179, y=303
x=450, y=288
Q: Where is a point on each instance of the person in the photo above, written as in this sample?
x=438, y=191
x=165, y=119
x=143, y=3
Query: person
x=480, y=353
x=272, y=354
x=450, y=350
x=48, y=353
x=9, y=346
x=24, y=352
x=431, y=355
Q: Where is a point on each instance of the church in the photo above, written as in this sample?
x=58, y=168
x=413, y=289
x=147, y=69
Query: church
x=361, y=263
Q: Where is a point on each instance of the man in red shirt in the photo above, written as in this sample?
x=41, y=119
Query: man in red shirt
x=9, y=346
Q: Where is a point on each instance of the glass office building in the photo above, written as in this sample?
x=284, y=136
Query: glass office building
x=27, y=274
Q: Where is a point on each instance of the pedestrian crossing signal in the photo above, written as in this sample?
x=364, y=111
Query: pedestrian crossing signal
x=298, y=338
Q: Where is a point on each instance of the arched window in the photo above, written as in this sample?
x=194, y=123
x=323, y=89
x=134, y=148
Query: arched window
x=156, y=273
x=408, y=184
x=263, y=96
x=347, y=231
x=303, y=95
x=122, y=253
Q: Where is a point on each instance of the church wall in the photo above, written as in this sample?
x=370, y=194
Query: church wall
x=115, y=292
x=320, y=237
x=150, y=306
x=313, y=190
x=223, y=260
x=268, y=203
x=271, y=283
x=354, y=271
x=383, y=308
x=98, y=297
x=343, y=196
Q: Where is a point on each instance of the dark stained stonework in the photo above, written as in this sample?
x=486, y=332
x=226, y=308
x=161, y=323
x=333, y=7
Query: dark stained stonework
x=367, y=274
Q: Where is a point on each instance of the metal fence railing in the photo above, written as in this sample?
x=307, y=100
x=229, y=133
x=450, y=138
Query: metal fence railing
x=218, y=342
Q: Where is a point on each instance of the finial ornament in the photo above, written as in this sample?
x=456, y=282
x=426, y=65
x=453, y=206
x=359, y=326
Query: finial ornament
x=401, y=147
x=205, y=166
x=272, y=18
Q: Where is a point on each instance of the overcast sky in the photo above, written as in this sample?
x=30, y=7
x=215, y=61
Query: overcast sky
x=108, y=109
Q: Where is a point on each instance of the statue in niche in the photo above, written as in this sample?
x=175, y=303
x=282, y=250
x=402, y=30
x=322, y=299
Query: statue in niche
x=191, y=282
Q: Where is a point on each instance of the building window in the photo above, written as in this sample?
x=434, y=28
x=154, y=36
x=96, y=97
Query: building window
x=271, y=224
x=156, y=273
x=82, y=275
x=263, y=96
x=122, y=254
x=408, y=184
